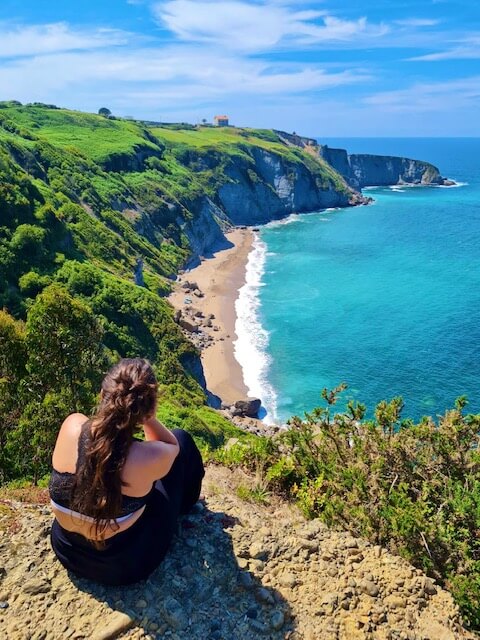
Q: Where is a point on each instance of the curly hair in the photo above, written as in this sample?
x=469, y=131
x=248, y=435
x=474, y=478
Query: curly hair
x=128, y=396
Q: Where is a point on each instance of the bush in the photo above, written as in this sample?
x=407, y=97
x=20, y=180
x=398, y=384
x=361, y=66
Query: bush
x=414, y=488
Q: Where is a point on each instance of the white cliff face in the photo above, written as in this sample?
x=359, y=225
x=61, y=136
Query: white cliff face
x=205, y=232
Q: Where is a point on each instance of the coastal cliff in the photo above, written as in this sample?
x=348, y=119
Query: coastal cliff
x=275, y=187
x=366, y=170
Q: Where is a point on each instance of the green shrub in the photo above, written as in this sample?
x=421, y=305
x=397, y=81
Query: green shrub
x=414, y=488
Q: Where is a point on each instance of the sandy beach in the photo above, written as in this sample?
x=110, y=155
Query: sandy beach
x=219, y=279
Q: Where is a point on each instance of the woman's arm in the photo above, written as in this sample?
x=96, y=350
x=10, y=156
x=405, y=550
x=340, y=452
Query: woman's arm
x=154, y=430
x=160, y=449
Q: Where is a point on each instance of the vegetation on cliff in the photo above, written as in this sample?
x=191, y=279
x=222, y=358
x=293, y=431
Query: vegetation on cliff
x=413, y=488
x=89, y=205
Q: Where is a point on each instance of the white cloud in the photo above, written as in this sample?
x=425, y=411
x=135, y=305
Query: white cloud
x=243, y=26
x=48, y=38
x=429, y=97
x=469, y=48
x=417, y=22
x=173, y=75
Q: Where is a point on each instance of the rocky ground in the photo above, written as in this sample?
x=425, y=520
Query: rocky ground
x=237, y=570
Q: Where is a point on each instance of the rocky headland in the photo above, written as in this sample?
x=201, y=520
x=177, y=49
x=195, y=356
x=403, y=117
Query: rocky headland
x=236, y=570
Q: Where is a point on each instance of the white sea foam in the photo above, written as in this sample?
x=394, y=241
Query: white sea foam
x=250, y=348
x=293, y=217
x=452, y=186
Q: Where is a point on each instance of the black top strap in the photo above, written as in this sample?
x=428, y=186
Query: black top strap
x=83, y=440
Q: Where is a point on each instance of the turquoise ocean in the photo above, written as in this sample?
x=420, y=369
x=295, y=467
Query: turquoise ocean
x=385, y=297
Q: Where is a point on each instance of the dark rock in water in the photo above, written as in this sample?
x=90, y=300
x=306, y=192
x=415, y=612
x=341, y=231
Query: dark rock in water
x=248, y=407
x=256, y=229
x=448, y=183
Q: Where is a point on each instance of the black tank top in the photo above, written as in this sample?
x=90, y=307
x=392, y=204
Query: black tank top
x=62, y=482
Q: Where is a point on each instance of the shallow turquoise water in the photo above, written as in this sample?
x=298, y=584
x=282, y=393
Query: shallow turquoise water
x=385, y=297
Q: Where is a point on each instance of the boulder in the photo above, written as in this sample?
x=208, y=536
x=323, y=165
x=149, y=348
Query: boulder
x=248, y=407
x=189, y=286
x=191, y=327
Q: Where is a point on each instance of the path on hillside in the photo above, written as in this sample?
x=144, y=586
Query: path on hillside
x=236, y=571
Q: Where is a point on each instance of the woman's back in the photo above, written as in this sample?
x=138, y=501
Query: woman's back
x=69, y=455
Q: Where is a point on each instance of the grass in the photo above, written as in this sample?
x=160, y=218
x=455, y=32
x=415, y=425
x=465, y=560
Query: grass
x=95, y=136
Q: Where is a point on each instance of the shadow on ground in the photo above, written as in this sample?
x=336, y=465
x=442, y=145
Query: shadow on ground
x=199, y=591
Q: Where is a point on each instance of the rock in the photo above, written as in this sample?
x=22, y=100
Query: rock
x=248, y=407
x=257, y=551
x=245, y=580
x=4, y=604
x=141, y=604
x=188, y=326
x=395, y=602
x=370, y=588
x=35, y=586
x=189, y=286
x=430, y=588
x=288, y=580
x=231, y=442
x=174, y=614
x=111, y=627
x=277, y=620
x=259, y=627
x=264, y=596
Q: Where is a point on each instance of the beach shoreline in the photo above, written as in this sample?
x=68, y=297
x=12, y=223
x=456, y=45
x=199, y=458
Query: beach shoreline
x=219, y=280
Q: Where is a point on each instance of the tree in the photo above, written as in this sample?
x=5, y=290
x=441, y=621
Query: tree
x=47, y=371
x=103, y=111
x=12, y=371
x=65, y=350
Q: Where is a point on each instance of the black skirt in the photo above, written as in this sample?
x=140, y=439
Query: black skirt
x=131, y=555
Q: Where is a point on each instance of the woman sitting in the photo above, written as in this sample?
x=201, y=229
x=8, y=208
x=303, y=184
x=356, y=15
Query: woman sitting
x=116, y=499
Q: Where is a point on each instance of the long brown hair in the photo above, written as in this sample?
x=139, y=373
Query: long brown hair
x=128, y=396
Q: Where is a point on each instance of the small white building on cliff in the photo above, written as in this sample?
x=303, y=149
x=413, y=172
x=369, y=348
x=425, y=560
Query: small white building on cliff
x=220, y=121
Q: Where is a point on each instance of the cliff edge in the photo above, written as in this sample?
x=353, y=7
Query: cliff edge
x=236, y=570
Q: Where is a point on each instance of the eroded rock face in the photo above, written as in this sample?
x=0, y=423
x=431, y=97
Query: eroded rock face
x=279, y=189
x=366, y=170
x=205, y=232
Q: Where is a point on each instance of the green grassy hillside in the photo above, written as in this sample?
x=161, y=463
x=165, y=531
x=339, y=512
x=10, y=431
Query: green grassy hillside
x=90, y=205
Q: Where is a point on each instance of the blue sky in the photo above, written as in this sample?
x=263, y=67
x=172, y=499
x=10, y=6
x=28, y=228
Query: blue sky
x=384, y=68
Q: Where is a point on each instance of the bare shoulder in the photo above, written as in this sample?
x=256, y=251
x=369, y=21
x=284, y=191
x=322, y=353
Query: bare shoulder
x=73, y=423
x=65, y=452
